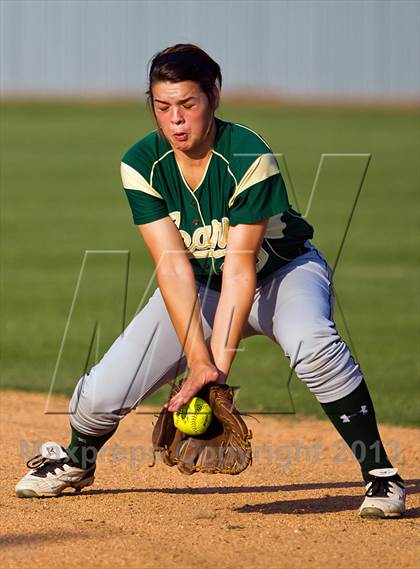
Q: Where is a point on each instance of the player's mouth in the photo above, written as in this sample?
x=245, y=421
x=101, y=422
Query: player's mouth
x=181, y=136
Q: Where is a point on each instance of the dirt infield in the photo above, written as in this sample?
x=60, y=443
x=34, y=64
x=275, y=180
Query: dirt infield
x=295, y=507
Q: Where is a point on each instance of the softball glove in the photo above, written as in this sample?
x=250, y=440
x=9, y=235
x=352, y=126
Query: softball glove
x=224, y=448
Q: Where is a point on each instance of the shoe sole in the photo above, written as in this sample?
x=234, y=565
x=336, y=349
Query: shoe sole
x=30, y=493
x=376, y=514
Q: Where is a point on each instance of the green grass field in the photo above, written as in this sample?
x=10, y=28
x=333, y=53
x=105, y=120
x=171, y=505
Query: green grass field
x=61, y=195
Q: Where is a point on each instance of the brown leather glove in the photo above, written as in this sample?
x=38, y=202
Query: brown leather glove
x=224, y=448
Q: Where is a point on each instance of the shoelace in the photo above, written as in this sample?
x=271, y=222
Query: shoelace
x=379, y=487
x=382, y=487
x=41, y=463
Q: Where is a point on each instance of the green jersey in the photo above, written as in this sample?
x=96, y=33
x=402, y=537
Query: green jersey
x=242, y=184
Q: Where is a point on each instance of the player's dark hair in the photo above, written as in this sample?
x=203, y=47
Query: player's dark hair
x=186, y=62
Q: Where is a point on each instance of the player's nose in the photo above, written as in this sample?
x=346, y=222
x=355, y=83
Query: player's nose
x=176, y=115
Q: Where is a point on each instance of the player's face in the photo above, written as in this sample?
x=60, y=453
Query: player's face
x=183, y=113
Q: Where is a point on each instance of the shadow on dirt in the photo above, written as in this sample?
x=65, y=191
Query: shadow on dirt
x=27, y=539
x=313, y=506
x=305, y=506
x=228, y=489
x=413, y=487
x=316, y=505
x=326, y=504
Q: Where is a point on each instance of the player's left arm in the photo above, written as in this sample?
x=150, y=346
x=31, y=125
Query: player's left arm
x=237, y=295
x=235, y=301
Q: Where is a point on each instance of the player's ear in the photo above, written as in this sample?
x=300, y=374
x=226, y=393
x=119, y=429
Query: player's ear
x=151, y=106
x=216, y=97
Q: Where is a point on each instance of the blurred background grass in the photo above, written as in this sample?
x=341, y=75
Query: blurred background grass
x=61, y=195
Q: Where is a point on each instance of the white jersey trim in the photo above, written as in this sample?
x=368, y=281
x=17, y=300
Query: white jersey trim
x=262, y=168
x=253, y=132
x=202, y=177
x=228, y=167
x=133, y=180
x=157, y=162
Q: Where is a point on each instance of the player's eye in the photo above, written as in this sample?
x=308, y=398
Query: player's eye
x=162, y=109
x=190, y=106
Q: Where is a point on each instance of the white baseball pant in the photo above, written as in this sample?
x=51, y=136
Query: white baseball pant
x=293, y=307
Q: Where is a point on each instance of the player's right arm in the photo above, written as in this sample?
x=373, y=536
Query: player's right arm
x=176, y=281
x=174, y=272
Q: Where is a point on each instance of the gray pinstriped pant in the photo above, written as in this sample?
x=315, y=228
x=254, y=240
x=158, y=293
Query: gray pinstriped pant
x=293, y=307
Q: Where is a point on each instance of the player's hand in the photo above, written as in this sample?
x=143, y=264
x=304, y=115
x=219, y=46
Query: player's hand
x=199, y=375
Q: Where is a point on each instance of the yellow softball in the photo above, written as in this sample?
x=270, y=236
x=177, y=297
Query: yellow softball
x=194, y=417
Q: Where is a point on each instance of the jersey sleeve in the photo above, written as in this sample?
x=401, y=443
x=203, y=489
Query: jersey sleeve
x=146, y=203
x=260, y=193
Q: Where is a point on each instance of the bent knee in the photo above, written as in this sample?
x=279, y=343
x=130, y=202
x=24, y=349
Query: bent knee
x=95, y=412
x=306, y=341
x=322, y=360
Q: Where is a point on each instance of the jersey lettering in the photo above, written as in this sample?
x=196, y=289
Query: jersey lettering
x=206, y=241
x=262, y=259
x=275, y=227
x=201, y=238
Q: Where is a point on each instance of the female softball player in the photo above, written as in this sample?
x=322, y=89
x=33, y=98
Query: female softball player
x=233, y=259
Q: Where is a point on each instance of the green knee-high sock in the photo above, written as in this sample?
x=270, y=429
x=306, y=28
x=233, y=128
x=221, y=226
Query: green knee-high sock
x=83, y=449
x=354, y=418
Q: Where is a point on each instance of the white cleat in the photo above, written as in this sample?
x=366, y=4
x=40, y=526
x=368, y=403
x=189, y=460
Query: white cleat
x=385, y=495
x=51, y=472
